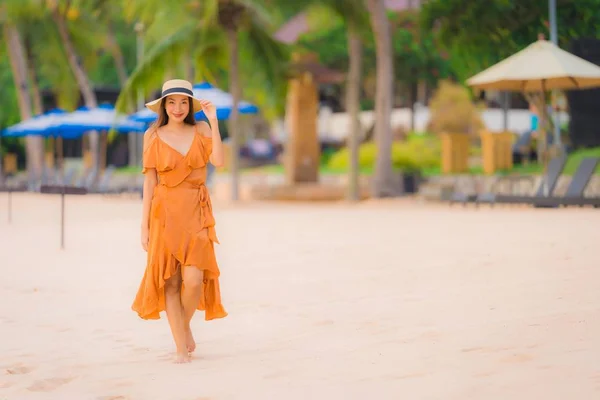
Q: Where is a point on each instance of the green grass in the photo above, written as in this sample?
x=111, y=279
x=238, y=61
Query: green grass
x=576, y=157
x=129, y=170
x=529, y=169
x=279, y=169
x=573, y=162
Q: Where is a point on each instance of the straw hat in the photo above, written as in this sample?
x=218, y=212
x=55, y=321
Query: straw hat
x=175, y=86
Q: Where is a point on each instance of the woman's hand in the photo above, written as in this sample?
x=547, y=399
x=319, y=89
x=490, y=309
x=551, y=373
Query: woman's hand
x=210, y=111
x=145, y=235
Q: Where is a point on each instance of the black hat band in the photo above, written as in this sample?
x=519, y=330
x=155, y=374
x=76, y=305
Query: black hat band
x=177, y=90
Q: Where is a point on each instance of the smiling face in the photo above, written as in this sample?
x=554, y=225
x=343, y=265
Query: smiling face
x=177, y=107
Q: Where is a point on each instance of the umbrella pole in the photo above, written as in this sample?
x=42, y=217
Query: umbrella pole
x=62, y=219
x=103, y=149
x=9, y=206
x=543, y=140
x=1, y=164
x=539, y=100
x=59, y=159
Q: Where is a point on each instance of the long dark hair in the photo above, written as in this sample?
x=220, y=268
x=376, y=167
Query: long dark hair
x=163, y=117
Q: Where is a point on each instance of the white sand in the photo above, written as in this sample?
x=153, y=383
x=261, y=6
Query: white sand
x=376, y=301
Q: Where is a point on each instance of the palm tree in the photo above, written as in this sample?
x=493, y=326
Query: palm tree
x=353, y=107
x=356, y=18
x=108, y=13
x=59, y=11
x=66, y=35
x=212, y=31
x=382, y=180
x=11, y=13
x=355, y=15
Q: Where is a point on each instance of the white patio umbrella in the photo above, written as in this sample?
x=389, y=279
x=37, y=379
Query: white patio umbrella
x=541, y=66
x=538, y=68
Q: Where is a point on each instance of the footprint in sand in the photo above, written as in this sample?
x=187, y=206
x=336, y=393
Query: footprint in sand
x=18, y=370
x=486, y=350
x=517, y=358
x=140, y=349
x=30, y=290
x=324, y=322
x=47, y=385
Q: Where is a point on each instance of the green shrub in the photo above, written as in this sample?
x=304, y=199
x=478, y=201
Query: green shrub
x=417, y=152
x=453, y=111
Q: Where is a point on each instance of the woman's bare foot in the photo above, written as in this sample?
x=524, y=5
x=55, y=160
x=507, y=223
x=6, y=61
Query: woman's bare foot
x=190, y=343
x=182, y=358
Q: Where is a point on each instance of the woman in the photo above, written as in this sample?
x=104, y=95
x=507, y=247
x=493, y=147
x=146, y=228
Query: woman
x=178, y=227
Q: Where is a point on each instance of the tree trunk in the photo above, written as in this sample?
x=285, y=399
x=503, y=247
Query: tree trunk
x=89, y=97
x=189, y=67
x=38, y=109
x=18, y=61
x=382, y=180
x=414, y=92
x=117, y=55
x=353, y=109
x=234, y=89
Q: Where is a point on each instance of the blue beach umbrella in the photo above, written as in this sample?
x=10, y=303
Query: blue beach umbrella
x=222, y=100
x=102, y=118
x=41, y=125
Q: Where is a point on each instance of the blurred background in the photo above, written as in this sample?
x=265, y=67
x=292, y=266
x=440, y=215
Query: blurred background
x=340, y=98
x=325, y=103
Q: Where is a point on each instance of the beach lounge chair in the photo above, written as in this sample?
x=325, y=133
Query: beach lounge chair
x=68, y=177
x=511, y=180
x=104, y=183
x=555, y=168
x=545, y=188
x=574, y=194
x=462, y=197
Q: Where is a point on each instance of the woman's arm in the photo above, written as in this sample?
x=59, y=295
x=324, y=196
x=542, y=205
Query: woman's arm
x=150, y=182
x=217, y=158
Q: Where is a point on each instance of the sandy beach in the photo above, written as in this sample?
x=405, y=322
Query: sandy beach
x=381, y=300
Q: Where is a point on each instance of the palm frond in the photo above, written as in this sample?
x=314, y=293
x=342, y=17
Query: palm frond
x=150, y=73
x=17, y=11
x=143, y=10
x=353, y=12
x=258, y=13
x=8, y=100
x=207, y=12
x=53, y=71
x=87, y=35
x=266, y=60
x=210, y=55
x=167, y=22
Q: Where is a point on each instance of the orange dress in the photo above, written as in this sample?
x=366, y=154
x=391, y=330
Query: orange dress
x=182, y=226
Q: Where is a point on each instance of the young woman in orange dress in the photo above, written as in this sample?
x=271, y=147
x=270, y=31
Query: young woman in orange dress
x=178, y=226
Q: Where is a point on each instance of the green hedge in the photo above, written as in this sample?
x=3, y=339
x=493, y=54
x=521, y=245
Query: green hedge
x=418, y=152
